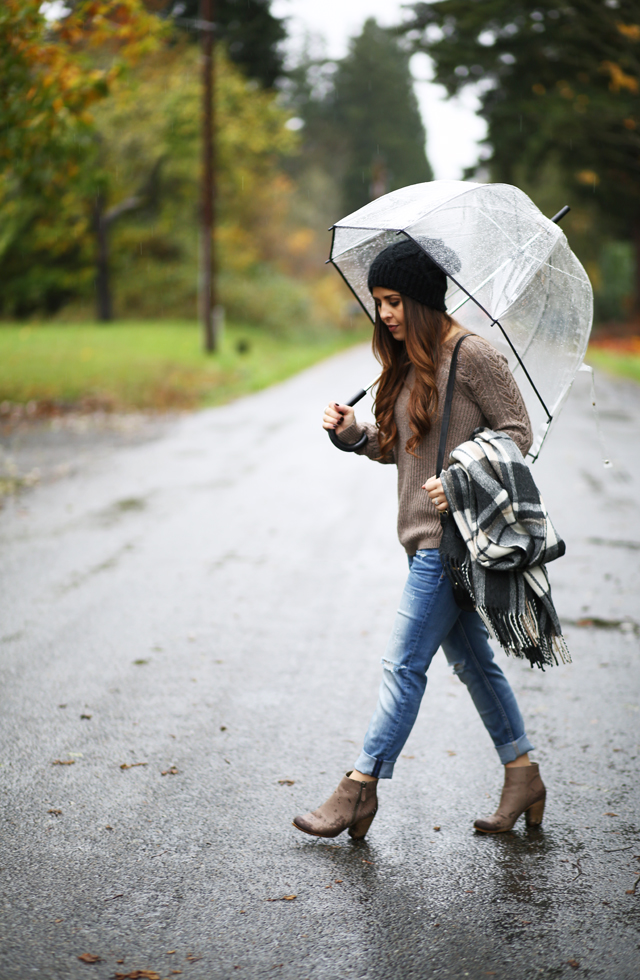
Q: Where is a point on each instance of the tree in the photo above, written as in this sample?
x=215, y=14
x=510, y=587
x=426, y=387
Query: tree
x=51, y=85
x=251, y=34
x=560, y=86
x=364, y=122
x=142, y=178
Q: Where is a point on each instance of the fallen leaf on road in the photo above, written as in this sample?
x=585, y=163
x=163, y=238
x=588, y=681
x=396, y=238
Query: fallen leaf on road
x=451, y=752
x=89, y=958
x=436, y=828
x=86, y=717
x=338, y=881
x=171, y=771
x=62, y=706
x=108, y=827
x=56, y=813
x=140, y=661
x=132, y=765
x=285, y=898
x=609, y=814
x=223, y=728
x=138, y=975
x=364, y=861
x=286, y=782
x=63, y=762
x=170, y=952
x=573, y=963
x=191, y=958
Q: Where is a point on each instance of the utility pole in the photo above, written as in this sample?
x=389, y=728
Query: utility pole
x=207, y=250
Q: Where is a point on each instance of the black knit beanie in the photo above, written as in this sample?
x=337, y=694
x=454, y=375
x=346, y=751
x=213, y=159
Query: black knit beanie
x=406, y=267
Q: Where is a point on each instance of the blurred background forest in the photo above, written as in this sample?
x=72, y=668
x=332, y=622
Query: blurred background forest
x=100, y=161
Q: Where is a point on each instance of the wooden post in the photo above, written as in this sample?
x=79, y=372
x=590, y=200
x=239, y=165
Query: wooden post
x=103, y=283
x=207, y=251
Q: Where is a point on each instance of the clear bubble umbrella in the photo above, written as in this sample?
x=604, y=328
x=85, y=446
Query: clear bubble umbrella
x=512, y=278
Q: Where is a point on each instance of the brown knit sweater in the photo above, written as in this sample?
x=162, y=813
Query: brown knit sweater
x=485, y=394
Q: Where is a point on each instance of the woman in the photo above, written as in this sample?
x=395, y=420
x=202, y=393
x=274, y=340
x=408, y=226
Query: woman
x=413, y=340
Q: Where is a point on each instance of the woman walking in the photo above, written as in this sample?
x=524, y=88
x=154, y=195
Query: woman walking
x=414, y=340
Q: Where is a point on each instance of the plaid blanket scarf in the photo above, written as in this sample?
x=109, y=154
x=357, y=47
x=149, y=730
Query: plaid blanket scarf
x=495, y=543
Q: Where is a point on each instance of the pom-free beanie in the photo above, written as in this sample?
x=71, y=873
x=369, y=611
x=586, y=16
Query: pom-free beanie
x=406, y=267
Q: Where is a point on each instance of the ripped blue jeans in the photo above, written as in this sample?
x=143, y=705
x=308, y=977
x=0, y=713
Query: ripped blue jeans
x=428, y=618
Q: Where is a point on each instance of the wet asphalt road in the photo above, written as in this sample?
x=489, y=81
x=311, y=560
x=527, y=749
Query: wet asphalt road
x=217, y=600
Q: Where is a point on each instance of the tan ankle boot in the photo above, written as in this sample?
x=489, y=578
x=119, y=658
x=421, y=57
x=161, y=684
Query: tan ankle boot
x=523, y=792
x=352, y=806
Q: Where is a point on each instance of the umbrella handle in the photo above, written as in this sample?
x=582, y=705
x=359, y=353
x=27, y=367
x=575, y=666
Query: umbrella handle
x=345, y=446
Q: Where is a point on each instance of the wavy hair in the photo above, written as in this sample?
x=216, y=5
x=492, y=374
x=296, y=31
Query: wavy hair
x=425, y=329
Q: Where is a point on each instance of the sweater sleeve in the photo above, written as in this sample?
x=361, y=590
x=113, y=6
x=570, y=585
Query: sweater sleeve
x=484, y=376
x=371, y=447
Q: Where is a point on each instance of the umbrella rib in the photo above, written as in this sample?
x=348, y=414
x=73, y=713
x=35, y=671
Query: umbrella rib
x=336, y=266
x=493, y=322
x=518, y=248
x=521, y=363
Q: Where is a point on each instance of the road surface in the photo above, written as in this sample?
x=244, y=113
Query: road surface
x=195, y=622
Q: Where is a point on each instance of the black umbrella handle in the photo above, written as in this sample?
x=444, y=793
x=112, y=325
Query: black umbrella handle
x=345, y=446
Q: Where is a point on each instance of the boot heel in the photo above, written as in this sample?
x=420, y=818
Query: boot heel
x=533, y=816
x=359, y=829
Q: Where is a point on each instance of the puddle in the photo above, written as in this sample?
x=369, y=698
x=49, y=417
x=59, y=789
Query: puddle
x=615, y=543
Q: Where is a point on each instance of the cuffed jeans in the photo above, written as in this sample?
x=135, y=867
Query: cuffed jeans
x=428, y=618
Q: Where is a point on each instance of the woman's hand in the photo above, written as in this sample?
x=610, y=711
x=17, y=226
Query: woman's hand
x=433, y=486
x=338, y=417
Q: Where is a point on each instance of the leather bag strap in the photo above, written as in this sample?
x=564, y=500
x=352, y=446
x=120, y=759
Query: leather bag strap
x=446, y=415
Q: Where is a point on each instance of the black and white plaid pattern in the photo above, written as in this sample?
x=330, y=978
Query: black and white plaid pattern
x=504, y=538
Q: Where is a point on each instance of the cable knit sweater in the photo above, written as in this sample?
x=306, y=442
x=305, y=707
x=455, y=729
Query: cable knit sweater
x=485, y=394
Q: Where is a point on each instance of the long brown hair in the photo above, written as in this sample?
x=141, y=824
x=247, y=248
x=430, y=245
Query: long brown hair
x=425, y=329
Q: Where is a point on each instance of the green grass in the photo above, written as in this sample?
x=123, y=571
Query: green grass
x=151, y=365
x=625, y=365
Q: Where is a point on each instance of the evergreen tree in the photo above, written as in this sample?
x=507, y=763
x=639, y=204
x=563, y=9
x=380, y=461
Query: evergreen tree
x=374, y=112
x=250, y=32
x=562, y=83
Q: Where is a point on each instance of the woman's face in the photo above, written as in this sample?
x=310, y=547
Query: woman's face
x=389, y=304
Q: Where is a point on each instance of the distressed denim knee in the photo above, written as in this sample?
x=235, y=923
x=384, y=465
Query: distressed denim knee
x=427, y=618
x=471, y=658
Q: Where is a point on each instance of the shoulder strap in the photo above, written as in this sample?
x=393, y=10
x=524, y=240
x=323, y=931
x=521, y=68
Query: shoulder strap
x=446, y=415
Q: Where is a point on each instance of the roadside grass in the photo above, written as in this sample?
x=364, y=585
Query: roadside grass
x=150, y=366
x=623, y=363
x=160, y=366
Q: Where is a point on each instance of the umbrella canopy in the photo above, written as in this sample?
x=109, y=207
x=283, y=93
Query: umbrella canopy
x=512, y=277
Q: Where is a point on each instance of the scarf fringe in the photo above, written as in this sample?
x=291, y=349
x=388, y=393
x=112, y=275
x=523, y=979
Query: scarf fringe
x=530, y=635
